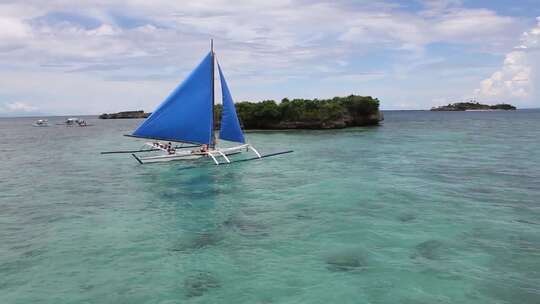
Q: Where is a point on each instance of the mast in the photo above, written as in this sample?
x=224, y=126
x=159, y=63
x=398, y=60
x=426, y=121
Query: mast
x=213, y=139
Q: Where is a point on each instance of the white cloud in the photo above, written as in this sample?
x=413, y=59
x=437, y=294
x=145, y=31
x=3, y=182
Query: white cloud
x=414, y=32
x=460, y=25
x=258, y=42
x=78, y=93
x=104, y=30
x=519, y=77
x=13, y=33
x=286, y=31
x=11, y=28
x=17, y=107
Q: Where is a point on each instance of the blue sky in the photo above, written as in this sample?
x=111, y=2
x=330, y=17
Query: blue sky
x=88, y=57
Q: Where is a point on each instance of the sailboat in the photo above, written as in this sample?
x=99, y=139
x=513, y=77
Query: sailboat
x=187, y=117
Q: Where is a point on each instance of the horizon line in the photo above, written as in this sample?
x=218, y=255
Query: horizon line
x=64, y=115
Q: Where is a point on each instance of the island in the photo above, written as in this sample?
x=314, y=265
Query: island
x=474, y=106
x=334, y=113
x=125, y=115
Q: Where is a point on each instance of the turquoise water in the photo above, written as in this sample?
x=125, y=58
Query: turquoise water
x=428, y=208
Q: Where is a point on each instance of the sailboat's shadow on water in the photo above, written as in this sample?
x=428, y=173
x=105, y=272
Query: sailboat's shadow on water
x=201, y=185
x=202, y=205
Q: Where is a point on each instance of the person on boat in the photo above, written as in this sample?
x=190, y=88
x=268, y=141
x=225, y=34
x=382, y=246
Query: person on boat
x=204, y=148
x=170, y=149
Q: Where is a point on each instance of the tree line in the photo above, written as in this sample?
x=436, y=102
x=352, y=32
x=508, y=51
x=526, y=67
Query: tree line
x=308, y=112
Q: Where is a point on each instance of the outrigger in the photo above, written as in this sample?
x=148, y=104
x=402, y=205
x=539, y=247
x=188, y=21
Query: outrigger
x=187, y=117
x=176, y=154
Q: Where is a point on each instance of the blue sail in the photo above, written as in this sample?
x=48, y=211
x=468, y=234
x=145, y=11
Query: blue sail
x=187, y=114
x=230, y=126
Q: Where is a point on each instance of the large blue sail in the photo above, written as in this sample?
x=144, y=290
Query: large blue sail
x=230, y=126
x=186, y=115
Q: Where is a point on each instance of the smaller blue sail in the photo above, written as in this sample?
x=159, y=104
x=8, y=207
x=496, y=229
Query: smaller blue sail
x=230, y=126
x=186, y=115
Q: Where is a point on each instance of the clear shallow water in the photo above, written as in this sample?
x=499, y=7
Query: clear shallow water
x=428, y=208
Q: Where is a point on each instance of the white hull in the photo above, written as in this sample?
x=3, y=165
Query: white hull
x=41, y=123
x=182, y=155
x=189, y=155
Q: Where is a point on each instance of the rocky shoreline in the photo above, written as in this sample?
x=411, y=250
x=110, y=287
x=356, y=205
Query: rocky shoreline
x=345, y=122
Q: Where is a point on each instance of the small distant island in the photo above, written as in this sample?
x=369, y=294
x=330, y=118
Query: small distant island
x=125, y=115
x=335, y=113
x=474, y=106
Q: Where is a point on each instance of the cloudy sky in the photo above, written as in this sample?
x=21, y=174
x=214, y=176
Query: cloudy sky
x=89, y=57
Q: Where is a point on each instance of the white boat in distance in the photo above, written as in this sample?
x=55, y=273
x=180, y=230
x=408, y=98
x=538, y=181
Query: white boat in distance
x=74, y=121
x=69, y=122
x=187, y=116
x=41, y=123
